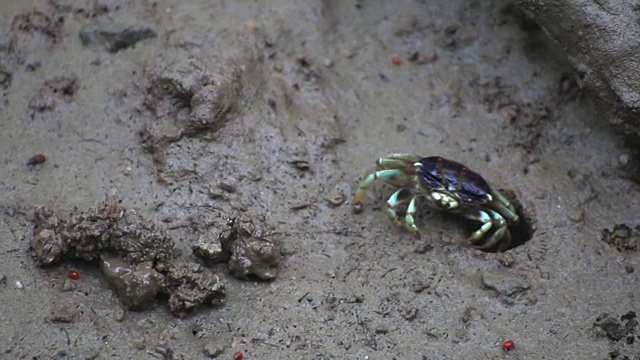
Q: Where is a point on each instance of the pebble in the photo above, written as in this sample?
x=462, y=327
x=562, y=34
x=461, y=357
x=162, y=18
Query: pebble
x=68, y=285
x=584, y=190
x=214, y=349
x=118, y=313
x=115, y=37
x=18, y=284
x=226, y=187
x=423, y=248
x=410, y=313
x=623, y=159
x=629, y=268
x=328, y=63
x=3, y=279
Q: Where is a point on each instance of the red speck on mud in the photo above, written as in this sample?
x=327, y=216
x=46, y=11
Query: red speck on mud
x=508, y=345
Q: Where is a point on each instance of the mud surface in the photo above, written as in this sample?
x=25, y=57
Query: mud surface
x=240, y=131
x=598, y=40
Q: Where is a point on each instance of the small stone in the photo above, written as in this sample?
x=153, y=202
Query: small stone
x=507, y=260
x=118, y=313
x=336, y=200
x=419, y=286
x=227, y=187
x=115, y=37
x=68, y=285
x=623, y=159
x=251, y=27
x=3, y=279
x=215, y=349
x=136, y=285
x=630, y=339
x=328, y=63
x=423, y=248
x=210, y=248
x=576, y=215
x=381, y=330
x=584, y=190
x=410, y=313
x=254, y=257
x=629, y=268
x=18, y=285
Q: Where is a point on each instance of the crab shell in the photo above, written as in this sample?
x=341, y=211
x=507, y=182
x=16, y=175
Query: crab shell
x=436, y=172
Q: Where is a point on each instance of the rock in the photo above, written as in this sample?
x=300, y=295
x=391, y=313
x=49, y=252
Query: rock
x=3, y=279
x=600, y=40
x=136, y=285
x=68, y=285
x=115, y=37
x=118, y=313
x=214, y=349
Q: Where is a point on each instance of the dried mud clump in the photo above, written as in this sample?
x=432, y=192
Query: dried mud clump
x=199, y=94
x=135, y=256
x=107, y=229
x=251, y=252
x=38, y=22
x=136, y=285
x=55, y=88
x=190, y=285
x=607, y=325
x=623, y=237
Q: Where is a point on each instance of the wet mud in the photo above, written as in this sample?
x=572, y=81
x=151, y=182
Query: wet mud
x=223, y=142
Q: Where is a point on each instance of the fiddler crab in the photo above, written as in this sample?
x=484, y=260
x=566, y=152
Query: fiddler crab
x=448, y=186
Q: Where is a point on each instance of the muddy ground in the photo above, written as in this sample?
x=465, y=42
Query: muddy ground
x=310, y=97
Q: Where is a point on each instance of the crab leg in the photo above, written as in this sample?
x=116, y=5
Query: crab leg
x=399, y=198
x=504, y=207
x=489, y=219
x=397, y=178
x=409, y=221
x=397, y=161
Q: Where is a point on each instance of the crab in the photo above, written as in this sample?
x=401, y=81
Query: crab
x=445, y=185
